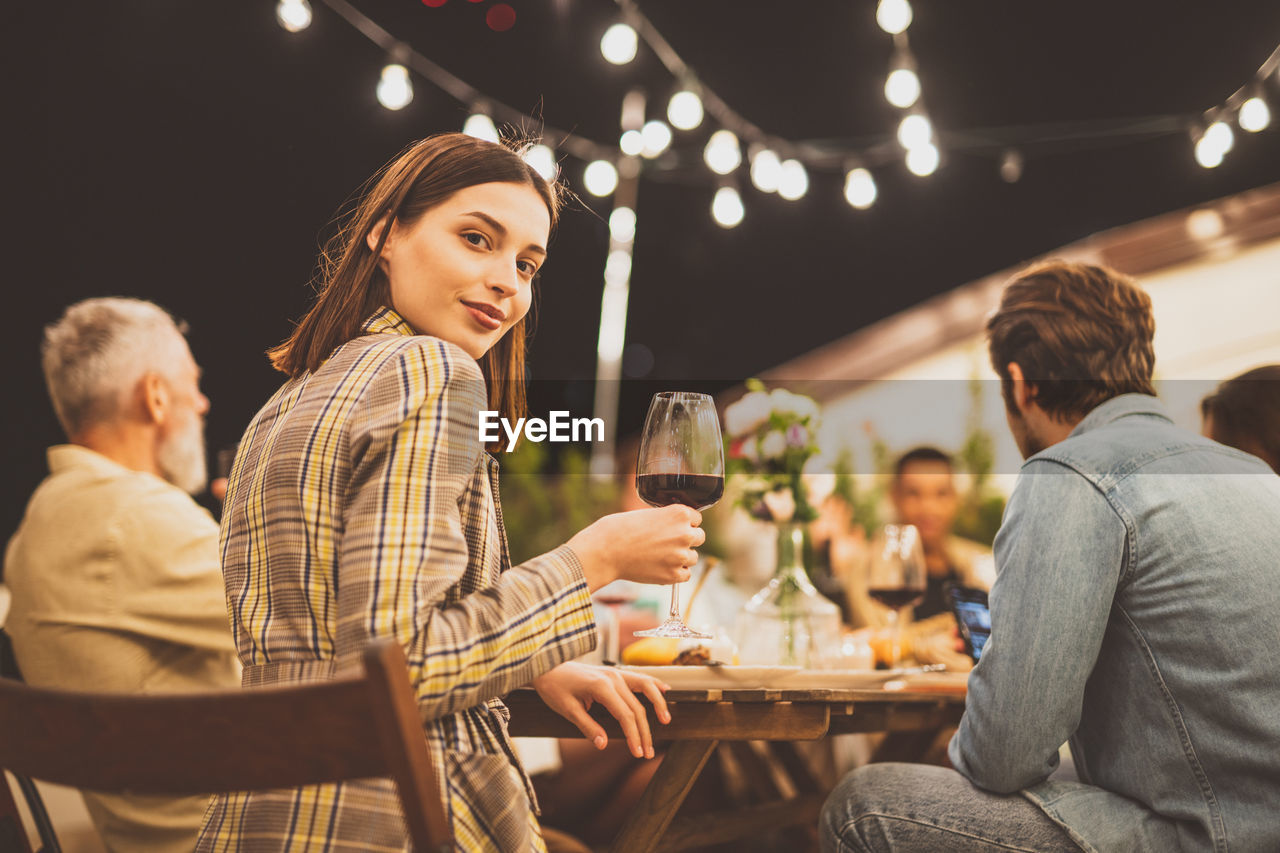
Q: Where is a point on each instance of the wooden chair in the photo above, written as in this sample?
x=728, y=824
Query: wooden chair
x=233, y=740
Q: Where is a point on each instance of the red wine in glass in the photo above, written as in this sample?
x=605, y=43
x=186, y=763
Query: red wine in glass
x=681, y=461
x=896, y=597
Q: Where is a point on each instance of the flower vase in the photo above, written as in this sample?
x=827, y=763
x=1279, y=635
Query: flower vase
x=788, y=622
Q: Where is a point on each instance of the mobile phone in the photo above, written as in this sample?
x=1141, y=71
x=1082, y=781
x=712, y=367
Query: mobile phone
x=973, y=616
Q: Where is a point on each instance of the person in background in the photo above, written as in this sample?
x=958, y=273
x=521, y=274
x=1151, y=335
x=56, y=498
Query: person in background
x=923, y=493
x=1244, y=413
x=1133, y=612
x=114, y=569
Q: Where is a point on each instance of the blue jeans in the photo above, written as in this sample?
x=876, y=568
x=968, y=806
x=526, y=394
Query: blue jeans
x=916, y=807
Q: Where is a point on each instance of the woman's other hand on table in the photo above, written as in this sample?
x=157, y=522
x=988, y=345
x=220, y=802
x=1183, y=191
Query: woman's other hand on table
x=572, y=688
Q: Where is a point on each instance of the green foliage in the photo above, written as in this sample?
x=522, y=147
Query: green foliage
x=543, y=508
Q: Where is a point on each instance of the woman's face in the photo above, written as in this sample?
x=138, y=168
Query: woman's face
x=463, y=272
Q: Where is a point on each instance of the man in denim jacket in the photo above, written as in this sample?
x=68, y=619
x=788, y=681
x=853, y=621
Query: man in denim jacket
x=1136, y=612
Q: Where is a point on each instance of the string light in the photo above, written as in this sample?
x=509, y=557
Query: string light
x=619, y=44
x=543, y=161
x=1254, y=115
x=656, y=136
x=1220, y=136
x=723, y=153
x=727, y=209
x=902, y=88
x=631, y=142
x=893, y=16
x=766, y=171
x=395, y=91
x=600, y=178
x=914, y=131
x=294, y=15
x=480, y=126
x=860, y=188
x=923, y=160
x=684, y=110
x=1208, y=154
x=793, y=181
x=622, y=224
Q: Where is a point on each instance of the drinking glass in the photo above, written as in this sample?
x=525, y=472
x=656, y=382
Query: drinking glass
x=681, y=461
x=896, y=577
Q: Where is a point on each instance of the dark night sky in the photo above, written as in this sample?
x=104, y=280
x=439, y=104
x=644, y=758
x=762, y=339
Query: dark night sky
x=192, y=153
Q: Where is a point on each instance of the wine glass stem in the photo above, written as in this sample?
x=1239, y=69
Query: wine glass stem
x=674, y=615
x=895, y=639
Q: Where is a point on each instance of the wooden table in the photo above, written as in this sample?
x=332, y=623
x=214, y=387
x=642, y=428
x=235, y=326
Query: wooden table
x=702, y=719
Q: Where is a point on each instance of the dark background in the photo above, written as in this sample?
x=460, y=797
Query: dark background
x=193, y=154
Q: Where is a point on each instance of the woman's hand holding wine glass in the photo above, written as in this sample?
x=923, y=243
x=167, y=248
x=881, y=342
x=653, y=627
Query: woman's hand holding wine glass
x=644, y=545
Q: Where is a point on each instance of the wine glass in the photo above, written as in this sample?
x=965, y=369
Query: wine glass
x=681, y=461
x=896, y=576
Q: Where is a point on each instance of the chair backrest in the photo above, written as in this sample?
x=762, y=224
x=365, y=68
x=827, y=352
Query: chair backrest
x=233, y=740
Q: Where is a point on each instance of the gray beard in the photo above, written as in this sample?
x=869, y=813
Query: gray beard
x=181, y=457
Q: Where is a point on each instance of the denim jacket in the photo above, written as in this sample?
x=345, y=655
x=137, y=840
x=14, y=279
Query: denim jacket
x=1136, y=612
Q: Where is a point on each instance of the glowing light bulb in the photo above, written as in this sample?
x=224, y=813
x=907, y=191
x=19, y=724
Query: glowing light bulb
x=600, y=177
x=793, y=182
x=543, y=161
x=1254, y=115
x=631, y=142
x=893, y=16
x=726, y=208
x=723, y=154
x=860, y=188
x=923, y=160
x=294, y=15
x=1208, y=155
x=914, y=131
x=902, y=88
x=1220, y=136
x=684, y=110
x=394, y=89
x=619, y=44
x=656, y=137
x=622, y=224
x=480, y=126
x=617, y=267
x=766, y=171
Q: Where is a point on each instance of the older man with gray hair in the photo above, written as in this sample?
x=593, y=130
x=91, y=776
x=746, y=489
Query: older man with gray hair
x=114, y=570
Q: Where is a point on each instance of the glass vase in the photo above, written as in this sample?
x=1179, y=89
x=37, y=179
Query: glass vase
x=788, y=622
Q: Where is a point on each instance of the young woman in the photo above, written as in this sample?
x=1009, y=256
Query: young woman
x=362, y=504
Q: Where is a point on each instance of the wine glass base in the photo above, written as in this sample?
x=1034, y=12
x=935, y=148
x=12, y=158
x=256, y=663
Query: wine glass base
x=674, y=628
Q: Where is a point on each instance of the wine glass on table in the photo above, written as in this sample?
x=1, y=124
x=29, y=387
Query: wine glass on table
x=896, y=577
x=681, y=461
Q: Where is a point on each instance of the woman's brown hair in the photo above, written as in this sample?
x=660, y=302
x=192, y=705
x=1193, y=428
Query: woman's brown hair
x=1245, y=412
x=351, y=284
x=1082, y=334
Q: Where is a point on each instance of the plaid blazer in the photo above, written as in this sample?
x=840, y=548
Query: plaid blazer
x=361, y=504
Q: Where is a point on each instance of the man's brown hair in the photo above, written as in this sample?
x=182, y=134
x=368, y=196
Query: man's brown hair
x=1081, y=334
x=1245, y=412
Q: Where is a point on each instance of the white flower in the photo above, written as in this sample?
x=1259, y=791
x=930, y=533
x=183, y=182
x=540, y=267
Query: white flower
x=747, y=414
x=773, y=445
x=782, y=400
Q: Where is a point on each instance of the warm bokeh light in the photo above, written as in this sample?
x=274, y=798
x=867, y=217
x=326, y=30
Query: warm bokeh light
x=914, y=131
x=723, y=153
x=294, y=15
x=631, y=142
x=1208, y=154
x=600, y=177
x=622, y=224
x=893, y=16
x=860, y=188
x=902, y=88
x=480, y=126
x=794, y=180
x=656, y=136
x=1255, y=115
x=619, y=44
x=766, y=171
x=394, y=89
x=726, y=208
x=923, y=160
x=684, y=110
x=1220, y=136
x=543, y=161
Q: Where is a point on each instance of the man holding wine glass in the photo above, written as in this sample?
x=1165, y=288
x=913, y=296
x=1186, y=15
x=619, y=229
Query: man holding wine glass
x=1134, y=613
